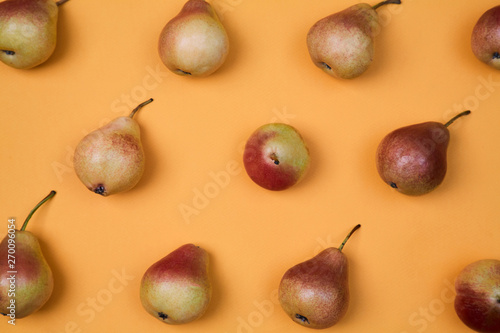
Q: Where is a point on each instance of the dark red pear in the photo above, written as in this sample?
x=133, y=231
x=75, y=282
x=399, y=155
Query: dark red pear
x=315, y=293
x=413, y=159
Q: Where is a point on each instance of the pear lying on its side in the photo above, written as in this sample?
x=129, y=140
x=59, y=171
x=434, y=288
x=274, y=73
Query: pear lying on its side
x=26, y=269
x=28, y=31
x=111, y=159
x=177, y=288
x=194, y=42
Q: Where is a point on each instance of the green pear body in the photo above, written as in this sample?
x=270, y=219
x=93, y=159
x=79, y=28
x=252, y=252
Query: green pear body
x=33, y=278
x=342, y=44
x=28, y=32
x=194, y=42
x=111, y=159
x=177, y=288
x=315, y=293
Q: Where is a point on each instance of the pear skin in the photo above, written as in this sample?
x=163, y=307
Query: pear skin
x=485, y=39
x=413, y=159
x=315, y=293
x=28, y=31
x=342, y=44
x=194, y=42
x=177, y=289
x=110, y=159
x=34, y=281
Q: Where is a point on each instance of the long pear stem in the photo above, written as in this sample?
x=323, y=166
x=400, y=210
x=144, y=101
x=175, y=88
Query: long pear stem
x=456, y=117
x=348, y=236
x=60, y=2
x=51, y=194
x=140, y=107
x=387, y=2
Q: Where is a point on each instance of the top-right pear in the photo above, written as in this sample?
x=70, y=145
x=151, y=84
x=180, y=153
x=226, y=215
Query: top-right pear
x=342, y=44
x=485, y=41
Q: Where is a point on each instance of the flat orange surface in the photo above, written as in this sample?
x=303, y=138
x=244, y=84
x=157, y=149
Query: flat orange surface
x=403, y=260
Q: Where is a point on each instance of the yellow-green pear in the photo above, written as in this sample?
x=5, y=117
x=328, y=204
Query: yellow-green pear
x=26, y=280
x=111, y=159
x=177, y=289
x=28, y=31
x=342, y=44
x=194, y=42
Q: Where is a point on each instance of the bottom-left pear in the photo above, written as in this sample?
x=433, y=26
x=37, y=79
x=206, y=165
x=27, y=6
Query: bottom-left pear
x=26, y=280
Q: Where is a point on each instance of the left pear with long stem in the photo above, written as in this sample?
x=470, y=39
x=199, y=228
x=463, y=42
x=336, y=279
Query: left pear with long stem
x=315, y=293
x=28, y=31
x=111, y=159
x=26, y=280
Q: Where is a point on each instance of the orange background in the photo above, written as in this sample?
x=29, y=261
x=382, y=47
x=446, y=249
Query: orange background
x=403, y=260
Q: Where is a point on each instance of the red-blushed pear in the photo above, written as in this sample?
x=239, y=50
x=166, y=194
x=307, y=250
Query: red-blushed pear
x=194, y=42
x=477, y=302
x=315, y=293
x=413, y=159
x=276, y=156
x=177, y=289
x=111, y=159
x=485, y=40
x=342, y=44
x=26, y=280
x=28, y=31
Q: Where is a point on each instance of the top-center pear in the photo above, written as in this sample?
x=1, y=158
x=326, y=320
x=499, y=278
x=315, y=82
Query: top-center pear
x=194, y=42
x=342, y=44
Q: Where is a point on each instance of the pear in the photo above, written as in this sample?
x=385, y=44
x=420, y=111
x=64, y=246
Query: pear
x=315, y=293
x=177, y=288
x=26, y=280
x=342, y=44
x=485, y=39
x=412, y=159
x=111, y=159
x=194, y=42
x=28, y=31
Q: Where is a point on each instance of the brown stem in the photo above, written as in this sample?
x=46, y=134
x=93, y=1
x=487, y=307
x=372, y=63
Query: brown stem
x=140, y=107
x=348, y=236
x=387, y=2
x=456, y=117
x=60, y=2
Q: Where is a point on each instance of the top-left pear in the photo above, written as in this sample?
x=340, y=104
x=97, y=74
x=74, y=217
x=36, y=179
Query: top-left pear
x=28, y=31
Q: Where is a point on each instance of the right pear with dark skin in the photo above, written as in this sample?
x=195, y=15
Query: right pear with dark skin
x=413, y=159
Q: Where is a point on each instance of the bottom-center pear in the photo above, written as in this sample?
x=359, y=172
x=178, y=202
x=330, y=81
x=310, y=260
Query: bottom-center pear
x=177, y=288
x=315, y=293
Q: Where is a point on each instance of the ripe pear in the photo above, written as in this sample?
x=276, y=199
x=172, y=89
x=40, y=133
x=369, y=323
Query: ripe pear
x=315, y=293
x=413, y=159
x=26, y=280
x=194, y=42
x=177, y=288
x=477, y=302
x=28, y=31
x=111, y=159
x=342, y=44
x=485, y=40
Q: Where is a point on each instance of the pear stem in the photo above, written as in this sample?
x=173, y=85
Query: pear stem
x=348, y=236
x=51, y=194
x=60, y=2
x=456, y=117
x=380, y=4
x=140, y=107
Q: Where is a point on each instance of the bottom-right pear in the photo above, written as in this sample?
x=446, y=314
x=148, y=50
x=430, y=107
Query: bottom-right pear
x=315, y=293
x=413, y=159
